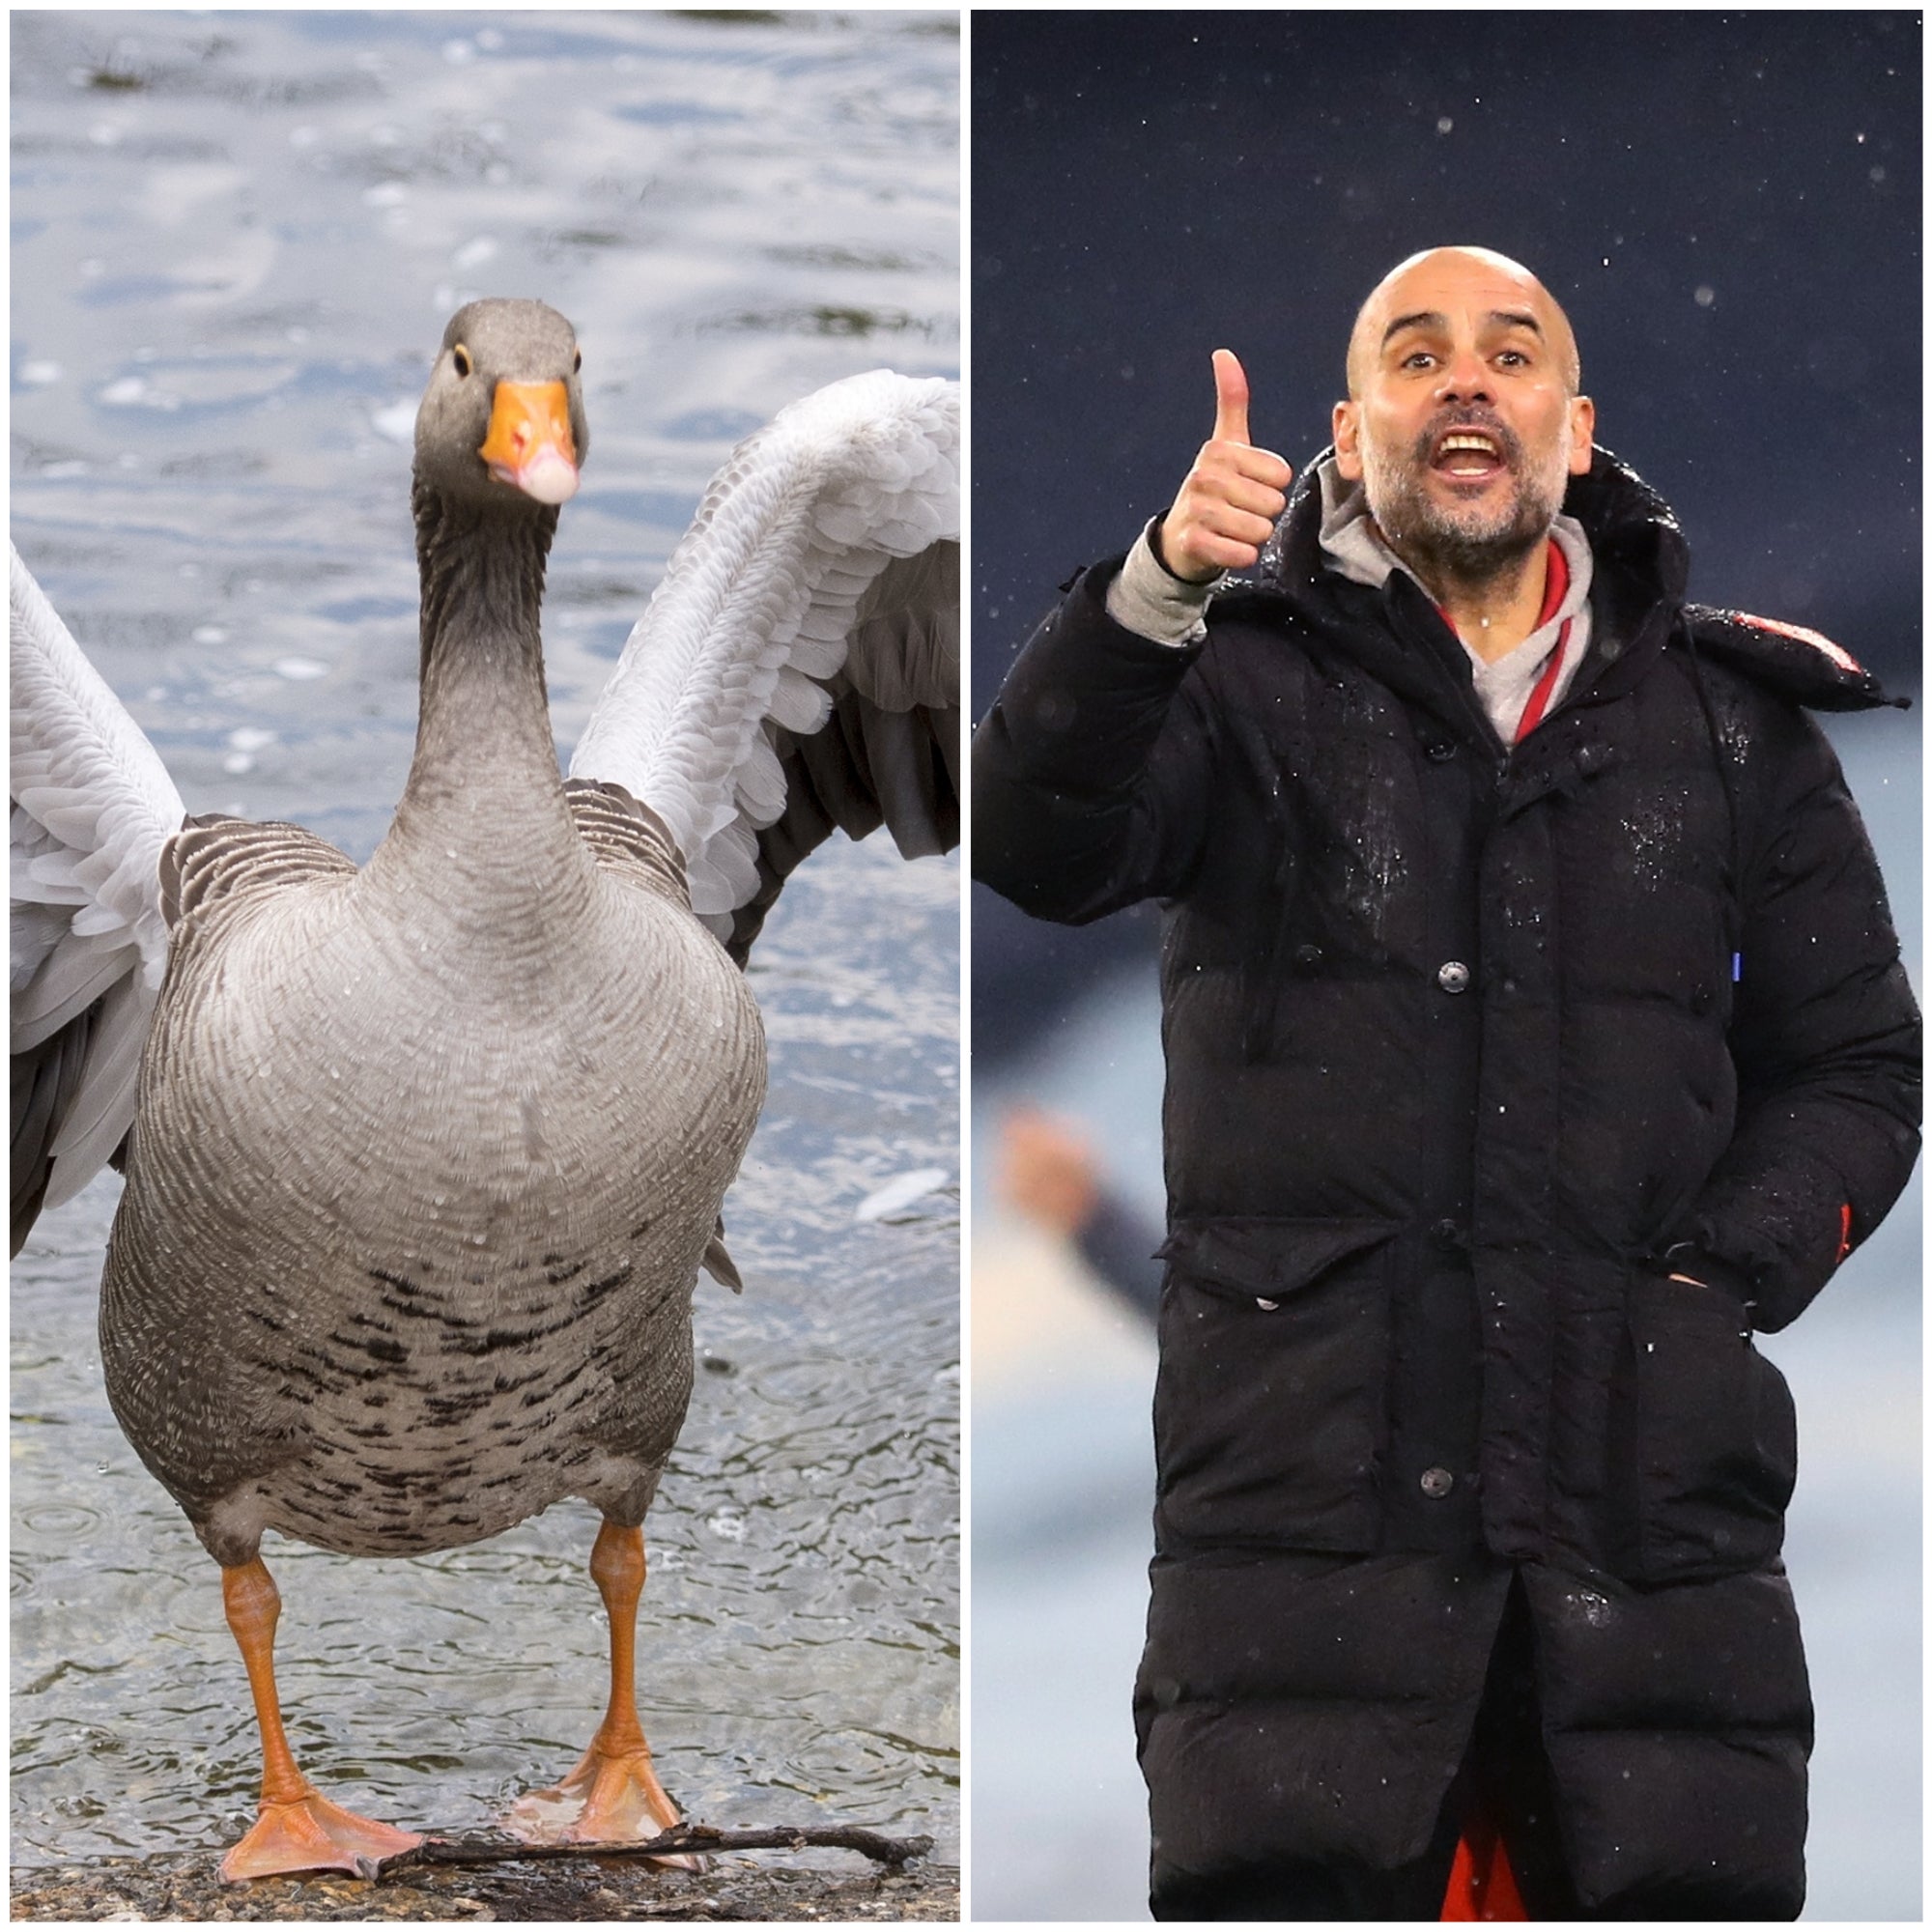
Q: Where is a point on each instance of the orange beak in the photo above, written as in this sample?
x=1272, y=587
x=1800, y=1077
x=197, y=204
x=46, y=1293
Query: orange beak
x=529, y=443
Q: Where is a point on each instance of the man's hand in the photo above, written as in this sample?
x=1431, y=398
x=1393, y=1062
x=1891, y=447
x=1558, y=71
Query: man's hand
x=1233, y=495
x=1047, y=1171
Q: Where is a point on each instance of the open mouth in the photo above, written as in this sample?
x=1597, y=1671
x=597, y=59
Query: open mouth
x=1467, y=455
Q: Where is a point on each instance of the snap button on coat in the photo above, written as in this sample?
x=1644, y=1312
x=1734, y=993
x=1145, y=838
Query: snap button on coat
x=1453, y=976
x=1436, y=1483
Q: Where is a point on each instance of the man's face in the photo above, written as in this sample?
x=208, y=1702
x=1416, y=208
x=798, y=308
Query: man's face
x=1461, y=424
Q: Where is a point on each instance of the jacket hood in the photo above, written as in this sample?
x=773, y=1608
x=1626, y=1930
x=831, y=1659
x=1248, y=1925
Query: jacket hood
x=1804, y=665
x=1641, y=561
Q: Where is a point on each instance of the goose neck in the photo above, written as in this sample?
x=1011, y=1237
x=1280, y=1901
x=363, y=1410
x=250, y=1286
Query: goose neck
x=484, y=794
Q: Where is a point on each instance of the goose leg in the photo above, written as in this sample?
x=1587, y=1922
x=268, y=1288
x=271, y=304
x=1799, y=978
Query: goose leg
x=298, y=1828
x=613, y=1794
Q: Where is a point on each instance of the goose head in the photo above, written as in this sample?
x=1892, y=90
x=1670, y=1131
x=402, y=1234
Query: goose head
x=502, y=421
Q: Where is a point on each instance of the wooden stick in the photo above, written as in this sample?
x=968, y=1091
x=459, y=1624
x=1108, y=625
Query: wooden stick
x=483, y=1851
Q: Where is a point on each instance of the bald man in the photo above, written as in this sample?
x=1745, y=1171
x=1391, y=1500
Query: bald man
x=1535, y=1036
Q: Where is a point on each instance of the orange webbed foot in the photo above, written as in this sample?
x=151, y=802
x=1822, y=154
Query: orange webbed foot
x=612, y=1797
x=309, y=1833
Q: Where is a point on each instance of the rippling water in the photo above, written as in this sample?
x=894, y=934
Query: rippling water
x=236, y=240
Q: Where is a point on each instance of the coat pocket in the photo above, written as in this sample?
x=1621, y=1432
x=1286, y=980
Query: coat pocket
x=1715, y=1435
x=1269, y=1409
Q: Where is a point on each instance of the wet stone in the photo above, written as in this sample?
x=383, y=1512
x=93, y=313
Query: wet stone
x=183, y=1885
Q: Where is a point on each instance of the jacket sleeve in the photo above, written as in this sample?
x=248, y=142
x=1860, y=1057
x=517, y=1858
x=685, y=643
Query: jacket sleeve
x=1090, y=773
x=1825, y=1036
x=1118, y=1243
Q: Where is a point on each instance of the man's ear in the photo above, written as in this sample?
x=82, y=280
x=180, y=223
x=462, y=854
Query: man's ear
x=1348, y=427
x=1582, y=433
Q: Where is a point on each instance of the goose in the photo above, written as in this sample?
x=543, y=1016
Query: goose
x=422, y=1159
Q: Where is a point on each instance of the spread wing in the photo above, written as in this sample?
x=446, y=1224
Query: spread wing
x=798, y=668
x=91, y=808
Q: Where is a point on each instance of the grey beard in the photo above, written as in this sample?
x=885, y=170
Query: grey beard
x=1443, y=549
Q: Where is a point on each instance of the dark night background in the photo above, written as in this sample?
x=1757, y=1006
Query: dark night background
x=1726, y=205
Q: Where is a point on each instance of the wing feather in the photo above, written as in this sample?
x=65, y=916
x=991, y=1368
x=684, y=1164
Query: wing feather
x=815, y=595
x=93, y=807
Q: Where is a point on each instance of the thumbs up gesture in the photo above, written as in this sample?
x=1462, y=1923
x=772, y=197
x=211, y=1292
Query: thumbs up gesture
x=1231, y=496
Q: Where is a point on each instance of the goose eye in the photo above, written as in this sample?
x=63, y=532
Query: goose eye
x=576, y=362
x=463, y=364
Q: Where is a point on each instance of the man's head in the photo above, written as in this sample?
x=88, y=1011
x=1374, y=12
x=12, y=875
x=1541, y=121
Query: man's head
x=1463, y=419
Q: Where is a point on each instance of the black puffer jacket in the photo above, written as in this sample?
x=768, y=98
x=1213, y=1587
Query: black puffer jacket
x=1462, y=1042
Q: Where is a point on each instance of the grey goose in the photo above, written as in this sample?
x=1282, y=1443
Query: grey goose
x=422, y=1159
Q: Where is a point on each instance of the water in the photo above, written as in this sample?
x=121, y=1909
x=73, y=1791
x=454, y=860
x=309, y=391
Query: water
x=237, y=239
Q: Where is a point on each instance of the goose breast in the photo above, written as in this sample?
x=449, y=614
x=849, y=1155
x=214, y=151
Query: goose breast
x=446, y=1207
